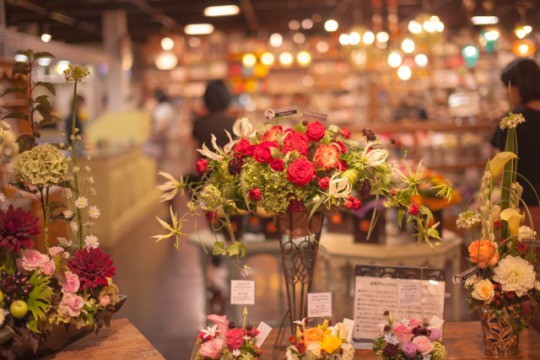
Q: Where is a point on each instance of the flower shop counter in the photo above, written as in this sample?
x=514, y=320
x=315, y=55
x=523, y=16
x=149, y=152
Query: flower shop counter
x=339, y=255
x=120, y=341
x=463, y=341
x=125, y=181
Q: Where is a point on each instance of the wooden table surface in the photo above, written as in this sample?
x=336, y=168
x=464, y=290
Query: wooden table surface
x=120, y=341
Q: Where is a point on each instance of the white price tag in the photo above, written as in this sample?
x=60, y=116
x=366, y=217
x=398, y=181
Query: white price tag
x=319, y=305
x=242, y=292
x=264, y=331
x=349, y=325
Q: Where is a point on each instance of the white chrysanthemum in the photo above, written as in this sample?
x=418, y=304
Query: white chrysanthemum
x=91, y=241
x=68, y=214
x=81, y=202
x=93, y=212
x=526, y=233
x=511, y=121
x=74, y=226
x=515, y=274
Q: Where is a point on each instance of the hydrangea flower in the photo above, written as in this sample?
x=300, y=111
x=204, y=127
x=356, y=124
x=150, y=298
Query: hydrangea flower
x=43, y=165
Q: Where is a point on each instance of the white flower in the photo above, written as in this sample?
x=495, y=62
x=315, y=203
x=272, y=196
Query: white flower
x=483, y=291
x=74, y=226
x=68, y=193
x=93, y=212
x=62, y=241
x=171, y=187
x=339, y=188
x=174, y=229
x=470, y=282
x=91, y=242
x=81, y=202
x=76, y=169
x=242, y=128
x=526, y=233
x=468, y=219
x=511, y=121
x=210, y=331
x=87, y=168
x=219, y=152
x=68, y=214
x=515, y=274
x=91, y=179
x=374, y=157
x=315, y=349
x=236, y=352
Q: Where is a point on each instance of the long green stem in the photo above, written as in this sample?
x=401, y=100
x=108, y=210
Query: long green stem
x=74, y=143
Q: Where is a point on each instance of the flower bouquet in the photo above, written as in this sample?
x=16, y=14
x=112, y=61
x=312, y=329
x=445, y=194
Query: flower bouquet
x=408, y=339
x=503, y=277
x=321, y=342
x=52, y=291
x=225, y=340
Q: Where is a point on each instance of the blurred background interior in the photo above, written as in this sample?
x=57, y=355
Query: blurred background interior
x=424, y=73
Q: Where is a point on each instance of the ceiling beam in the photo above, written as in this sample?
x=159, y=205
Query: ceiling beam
x=249, y=13
x=156, y=14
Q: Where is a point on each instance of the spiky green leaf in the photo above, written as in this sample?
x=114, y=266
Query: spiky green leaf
x=39, y=298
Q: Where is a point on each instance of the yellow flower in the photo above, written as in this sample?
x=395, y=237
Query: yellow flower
x=496, y=164
x=513, y=218
x=331, y=343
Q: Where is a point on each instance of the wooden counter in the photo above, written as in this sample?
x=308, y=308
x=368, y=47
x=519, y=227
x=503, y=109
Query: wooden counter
x=120, y=341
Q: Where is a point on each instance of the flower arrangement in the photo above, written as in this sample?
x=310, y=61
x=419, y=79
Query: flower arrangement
x=63, y=281
x=321, y=342
x=501, y=252
x=309, y=168
x=408, y=339
x=225, y=340
x=428, y=191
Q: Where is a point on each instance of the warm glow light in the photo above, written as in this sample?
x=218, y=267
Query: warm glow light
x=267, y=59
x=249, y=60
x=492, y=35
x=286, y=59
x=46, y=37
x=199, y=29
x=407, y=46
x=429, y=26
x=439, y=26
x=61, y=66
x=382, y=37
x=354, y=38
x=322, y=46
x=359, y=57
x=294, y=25
x=44, y=61
x=21, y=58
x=394, y=59
x=421, y=60
x=166, y=60
x=415, y=27
x=344, y=39
x=222, y=10
x=470, y=51
x=167, y=43
x=307, y=24
x=299, y=38
x=522, y=31
x=484, y=20
x=303, y=58
x=276, y=40
x=331, y=25
x=368, y=38
x=404, y=72
x=524, y=47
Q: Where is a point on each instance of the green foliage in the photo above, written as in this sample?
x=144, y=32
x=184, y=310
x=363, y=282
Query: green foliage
x=39, y=300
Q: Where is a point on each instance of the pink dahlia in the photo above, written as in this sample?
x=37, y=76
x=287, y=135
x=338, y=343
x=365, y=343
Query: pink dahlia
x=92, y=266
x=16, y=229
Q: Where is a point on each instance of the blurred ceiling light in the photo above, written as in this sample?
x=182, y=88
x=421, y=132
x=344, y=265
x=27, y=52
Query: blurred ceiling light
x=45, y=37
x=492, y=35
x=344, y=39
x=307, y=24
x=415, y=27
x=199, y=29
x=485, y=20
x=267, y=59
x=21, y=58
x=322, y=46
x=522, y=31
x=331, y=25
x=303, y=58
x=44, y=61
x=276, y=40
x=421, y=60
x=382, y=37
x=299, y=38
x=249, y=60
x=354, y=38
x=368, y=38
x=404, y=72
x=394, y=59
x=523, y=48
x=166, y=60
x=221, y=10
x=286, y=59
x=61, y=66
x=294, y=25
x=167, y=43
x=194, y=42
x=407, y=46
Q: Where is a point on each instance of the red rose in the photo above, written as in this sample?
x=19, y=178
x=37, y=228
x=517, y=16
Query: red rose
x=343, y=165
x=346, y=133
x=324, y=182
x=202, y=165
x=255, y=194
x=301, y=347
x=414, y=209
x=292, y=339
x=521, y=247
x=352, y=203
x=296, y=206
x=296, y=141
x=277, y=164
x=243, y=147
x=301, y=172
x=262, y=151
x=273, y=134
x=315, y=131
x=342, y=146
x=326, y=157
x=234, y=338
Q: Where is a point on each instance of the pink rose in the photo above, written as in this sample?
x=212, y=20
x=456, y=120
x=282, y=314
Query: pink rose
x=55, y=250
x=234, y=338
x=48, y=268
x=71, y=284
x=212, y=349
x=105, y=300
x=71, y=305
x=434, y=334
x=423, y=344
x=402, y=332
x=414, y=323
x=315, y=131
x=221, y=322
x=33, y=259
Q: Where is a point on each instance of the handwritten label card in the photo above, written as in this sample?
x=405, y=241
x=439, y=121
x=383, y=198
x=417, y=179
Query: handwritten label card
x=264, y=331
x=319, y=305
x=409, y=294
x=242, y=292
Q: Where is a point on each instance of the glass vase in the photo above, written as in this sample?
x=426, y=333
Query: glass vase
x=498, y=327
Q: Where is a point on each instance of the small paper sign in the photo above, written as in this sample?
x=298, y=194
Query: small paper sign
x=349, y=325
x=286, y=111
x=315, y=115
x=242, y=292
x=409, y=294
x=436, y=322
x=319, y=305
x=264, y=331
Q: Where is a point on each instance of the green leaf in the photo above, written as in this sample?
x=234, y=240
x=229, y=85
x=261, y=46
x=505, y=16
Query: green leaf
x=39, y=299
x=47, y=85
x=25, y=141
x=16, y=115
x=42, y=99
x=20, y=68
x=43, y=54
x=28, y=53
x=15, y=90
x=237, y=249
x=219, y=248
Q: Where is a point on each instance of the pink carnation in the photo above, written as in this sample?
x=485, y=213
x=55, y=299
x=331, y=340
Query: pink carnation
x=212, y=349
x=48, y=268
x=32, y=260
x=71, y=284
x=423, y=344
x=71, y=305
x=402, y=332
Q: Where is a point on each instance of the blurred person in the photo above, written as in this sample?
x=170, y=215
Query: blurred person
x=408, y=110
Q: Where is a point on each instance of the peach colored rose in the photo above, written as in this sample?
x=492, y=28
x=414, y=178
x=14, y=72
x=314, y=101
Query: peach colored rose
x=71, y=305
x=105, y=300
x=33, y=259
x=326, y=157
x=402, y=332
x=48, y=268
x=313, y=335
x=484, y=253
x=212, y=349
x=71, y=284
x=423, y=344
x=483, y=291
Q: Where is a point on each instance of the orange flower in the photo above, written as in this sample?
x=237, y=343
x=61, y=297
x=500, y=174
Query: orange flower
x=484, y=253
x=312, y=335
x=326, y=156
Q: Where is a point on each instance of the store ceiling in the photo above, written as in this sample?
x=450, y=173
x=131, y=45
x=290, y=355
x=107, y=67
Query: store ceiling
x=79, y=21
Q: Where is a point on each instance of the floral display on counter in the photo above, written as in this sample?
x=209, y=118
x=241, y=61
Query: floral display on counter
x=310, y=168
x=225, y=340
x=431, y=182
x=44, y=281
x=323, y=342
x=408, y=339
x=502, y=250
